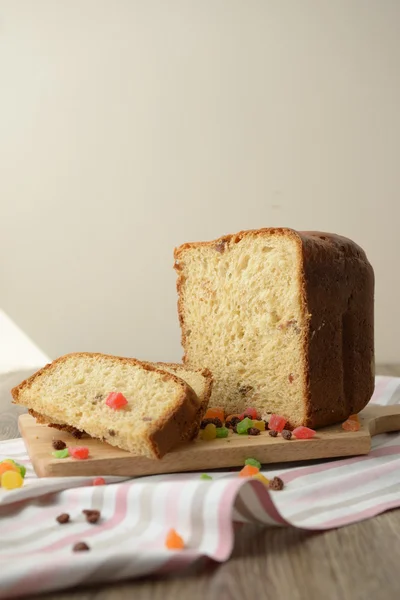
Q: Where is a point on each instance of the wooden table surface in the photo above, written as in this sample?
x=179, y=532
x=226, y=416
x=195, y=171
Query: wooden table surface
x=352, y=563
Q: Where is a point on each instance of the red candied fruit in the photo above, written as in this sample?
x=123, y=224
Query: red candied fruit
x=303, y=433
x=252, y=413
x=79, y=452
x=116, y=400
x=99, y=481
x=277, y=423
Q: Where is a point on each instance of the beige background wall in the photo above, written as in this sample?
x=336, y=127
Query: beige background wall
x=129, y=127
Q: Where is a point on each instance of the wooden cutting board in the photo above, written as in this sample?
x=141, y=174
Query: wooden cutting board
x=200, y=455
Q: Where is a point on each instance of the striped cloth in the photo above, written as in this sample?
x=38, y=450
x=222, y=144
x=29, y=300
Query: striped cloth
x=128, y=542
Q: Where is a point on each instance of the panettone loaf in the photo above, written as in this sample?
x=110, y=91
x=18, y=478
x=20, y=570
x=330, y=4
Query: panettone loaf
x=283, y=319
x=73, y=389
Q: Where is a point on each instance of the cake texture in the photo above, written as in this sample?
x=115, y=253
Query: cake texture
x=160, y=413
x=200, y=380
x=283, y=319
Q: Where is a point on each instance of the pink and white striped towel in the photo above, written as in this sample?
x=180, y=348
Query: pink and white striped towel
x=128, y=542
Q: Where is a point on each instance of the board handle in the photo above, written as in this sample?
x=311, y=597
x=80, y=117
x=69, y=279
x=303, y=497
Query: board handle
x=381, y=419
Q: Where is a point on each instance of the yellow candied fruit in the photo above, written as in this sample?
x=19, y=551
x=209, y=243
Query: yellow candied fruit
x=11, y=480
x=261, y=478
x=209, y=432
x=259, y=425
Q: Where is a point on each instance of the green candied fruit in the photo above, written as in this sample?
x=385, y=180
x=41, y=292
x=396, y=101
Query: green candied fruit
x=22, y=470
x=222, y=432
x=61, y=453
x=253, y=462
x=244, y=426
x=205, y=476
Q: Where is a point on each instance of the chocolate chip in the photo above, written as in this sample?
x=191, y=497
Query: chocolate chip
x=276, y=484
x=63, y=518
x=232, y=422
x=59, y=445
x=111, y=432
x=273, y=433
x=92, y=516
x=217, y=422
x=77, y=433
x=286, y=434
x=80, y=547
x=253, y=431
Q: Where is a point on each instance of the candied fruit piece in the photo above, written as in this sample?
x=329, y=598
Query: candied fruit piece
x=19, y=467
x=259, y=425
x=261, y=478
x=303, y=433
x=351, y=425
x=99, y=481
x=277, y=423
x=248, y=471
x=244, y=426
x=353, y=418
x=222, y=432
x=116, y=400
x=252, y=413
x=61, y=453
x=215, y=413
x=173, y=540
x=11, y=480
x=79, y=452
x=209, y=432
x=205, y=476
x=5, y=468
x=253, y=462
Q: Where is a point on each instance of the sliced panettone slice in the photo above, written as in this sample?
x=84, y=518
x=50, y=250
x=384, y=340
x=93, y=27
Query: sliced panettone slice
x=200, y=381
x=160, y=412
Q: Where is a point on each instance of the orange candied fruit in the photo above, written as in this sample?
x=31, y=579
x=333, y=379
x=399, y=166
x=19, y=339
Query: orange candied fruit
x=6, y=467
x=249, y=471
x=353, y=418
x=351, y=425
x=173, y=541
x=215, y=413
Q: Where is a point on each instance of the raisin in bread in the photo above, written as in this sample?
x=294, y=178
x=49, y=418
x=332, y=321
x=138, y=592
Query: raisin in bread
x=283, y=319
x=73, y=389
x=200, y=380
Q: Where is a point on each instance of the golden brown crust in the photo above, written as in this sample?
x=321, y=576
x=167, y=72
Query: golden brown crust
x=168, y=432
x=43, y=420
x=337, y=283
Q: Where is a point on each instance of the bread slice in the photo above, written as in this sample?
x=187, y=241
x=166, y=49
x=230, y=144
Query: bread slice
x=284, y=321
x=73, y=389
x=200, y=380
